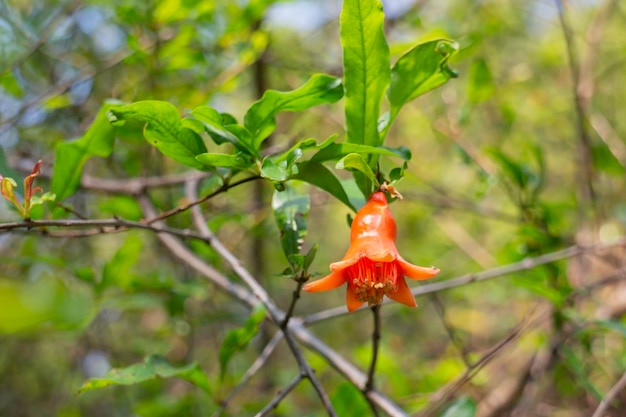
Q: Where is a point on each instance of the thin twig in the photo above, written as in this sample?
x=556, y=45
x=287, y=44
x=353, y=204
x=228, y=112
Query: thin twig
x=281, y=394
x=442, y=397
x=441, y=312
x=610, y=396
x=586, y=173
x=200, y=200
x=369, y=385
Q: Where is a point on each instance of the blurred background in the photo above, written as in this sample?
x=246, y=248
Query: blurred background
x=522, y=155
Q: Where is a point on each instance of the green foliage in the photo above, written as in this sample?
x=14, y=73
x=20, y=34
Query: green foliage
x=260, y=118
x=237, y=340
x=366, y=68
x=422, y=69
x=70, y=157
x=163, y=129
x=349, y=402
x=291, y=209
x=152, y=367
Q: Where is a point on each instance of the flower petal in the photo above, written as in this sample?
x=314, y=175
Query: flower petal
x=403, y=294
x=416, y=272
x=343, y=264
x=385, y=256
x=352, y=300
x=329, y=282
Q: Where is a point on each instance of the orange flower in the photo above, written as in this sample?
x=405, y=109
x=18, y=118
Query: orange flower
x=372, y=267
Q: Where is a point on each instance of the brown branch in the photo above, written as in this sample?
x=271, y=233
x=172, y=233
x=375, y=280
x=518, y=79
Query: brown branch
x=369, y=384
x=586, y=171
x=281, y=394
x=610, y=396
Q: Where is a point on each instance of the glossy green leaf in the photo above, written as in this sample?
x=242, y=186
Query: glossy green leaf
x=237, y=340
x=291, y=209
x=480, y=85
x=152, y=367
x=235, y=161
x=260, y=118
x=366, y=68
x=318, y=175
x=163, y=129
x=275, y=171
x=11, y=84
x=223, y=129
x=462, y=407
x=339, y=150
x=355, y=162
x=420, y=70
x=70, y=157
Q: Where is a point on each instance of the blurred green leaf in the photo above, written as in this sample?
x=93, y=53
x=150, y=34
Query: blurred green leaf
x=237, y=340
x=579, y=367
x=480, y=85
x=317, y=174
x=291, y=210
x=70, y=157
x=153, y=367
x=11, y=84
x=27, y=306
x=118, y=271
x=420, y=70
x=348, y=401
x=260, y=118
x=366, y=68
x=163, y=129
x=462, y=407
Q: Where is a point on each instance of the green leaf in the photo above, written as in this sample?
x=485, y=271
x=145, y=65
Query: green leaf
x=366, y=68
x=223, y=129
x=237, y=340
x=348, y=401
x=318, y=175
x=235, y=161
x=291, y=210
x=462, y=407
x=480, y=85
x=355, y=162
x=274, y=171
x=339, y=150
x=118, y=271
x=260, y=118
x=29, y=306
x=579, y=366
x=420, y=70
x=163, y=129
x=70, y=157
x=11, y=84
x=153, y=367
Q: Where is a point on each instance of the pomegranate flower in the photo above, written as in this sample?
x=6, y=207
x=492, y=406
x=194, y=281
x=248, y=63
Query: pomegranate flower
x=372, y=267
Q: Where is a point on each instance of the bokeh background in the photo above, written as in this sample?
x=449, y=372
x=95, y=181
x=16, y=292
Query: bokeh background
x=522, y=155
